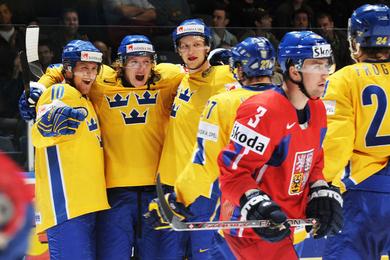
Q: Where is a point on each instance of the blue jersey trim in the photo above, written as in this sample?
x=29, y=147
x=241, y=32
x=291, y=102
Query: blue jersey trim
x=58, y=194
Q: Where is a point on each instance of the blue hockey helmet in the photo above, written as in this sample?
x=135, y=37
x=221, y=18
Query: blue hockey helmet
x=135, y=45
x=78, y=50
x=369, y=26
x=297, y=46
x=219, y=56
x=194, y=27
x=256, y=55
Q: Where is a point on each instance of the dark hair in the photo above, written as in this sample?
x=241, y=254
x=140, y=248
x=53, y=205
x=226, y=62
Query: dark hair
x=374, y=52
x=222, y=6
x=325, y=15
x=47, y=43
x=68, y=10
x=260, y=13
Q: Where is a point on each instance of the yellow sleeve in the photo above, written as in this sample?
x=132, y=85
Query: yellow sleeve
x=339, y=139
x=53, y=75
x=56, y=95
x=202, y=171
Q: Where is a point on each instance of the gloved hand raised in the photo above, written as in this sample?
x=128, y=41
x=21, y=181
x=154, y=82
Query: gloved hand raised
x=154, y=216
x=325, y=204
x=61, y=120
x=256, y=205
x=27, y=104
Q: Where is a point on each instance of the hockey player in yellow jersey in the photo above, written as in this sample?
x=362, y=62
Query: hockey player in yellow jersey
x=214, y=130
x=133, y=106
x=69, y=155
x=357, y=144
x=192, y=41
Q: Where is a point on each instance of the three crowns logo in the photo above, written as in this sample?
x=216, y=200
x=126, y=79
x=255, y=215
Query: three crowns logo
x=185, y=95
x=118, y=101
x=146, y=98
x=92, y=125
x=134, y=117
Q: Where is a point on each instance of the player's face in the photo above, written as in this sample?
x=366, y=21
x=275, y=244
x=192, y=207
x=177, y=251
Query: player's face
x=315, y=72
x=84, y=74
x=193, y=50
x=138, y=69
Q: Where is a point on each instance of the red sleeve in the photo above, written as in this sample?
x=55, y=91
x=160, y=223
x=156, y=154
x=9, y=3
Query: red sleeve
x=252, y=142
x=317, y=172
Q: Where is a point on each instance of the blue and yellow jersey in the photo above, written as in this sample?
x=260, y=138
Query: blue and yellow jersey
x=69, y=170
x=133, y=122
x=215, y=126
x=191, y=98
x=357, y=144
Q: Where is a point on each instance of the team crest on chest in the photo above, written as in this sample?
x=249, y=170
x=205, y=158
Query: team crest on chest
x=300, y=171
x=92, y=124
x=147, y=98
x=118, y=101
x=186, y=95
x=174, y=109
x=135, y=117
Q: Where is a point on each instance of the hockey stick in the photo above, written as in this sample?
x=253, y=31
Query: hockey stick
x=31, y=70
x=178, y=225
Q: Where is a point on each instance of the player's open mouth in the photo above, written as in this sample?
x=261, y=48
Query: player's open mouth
x=192, y=58
x=87, y=82
x=139, y=77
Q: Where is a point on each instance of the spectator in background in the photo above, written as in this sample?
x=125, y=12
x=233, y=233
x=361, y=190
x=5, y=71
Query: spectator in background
x=106, y=50
x=67, y=33
x=242, y=12
x=285, y=13
x=10, y=36
x=301, y=19
x=263, y=23
x=11, y=87
x=337, y=38
x=126, y=11
x=171, y=12
x=45, y=53
x=221, y=36
x=140, y=14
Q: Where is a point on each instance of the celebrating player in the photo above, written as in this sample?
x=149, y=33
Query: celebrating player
x=192, y=41
x=272, y=168
x=133, y=105
x=66, y=136
x=357, y=145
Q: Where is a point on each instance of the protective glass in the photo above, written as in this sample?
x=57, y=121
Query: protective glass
x=317, y=66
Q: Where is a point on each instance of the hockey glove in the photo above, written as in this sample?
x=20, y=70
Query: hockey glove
x=27, y=104
x=325, y=204
x=60, y=121
x=155, y=218
x=256, y=205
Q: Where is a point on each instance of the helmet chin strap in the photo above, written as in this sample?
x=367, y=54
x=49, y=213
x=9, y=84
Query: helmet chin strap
x=302, y=87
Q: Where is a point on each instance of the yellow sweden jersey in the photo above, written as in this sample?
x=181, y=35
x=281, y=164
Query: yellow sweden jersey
x=69, y=170
x=191, y=98
x=214, y=130
x=357, y=143
x=133, y=122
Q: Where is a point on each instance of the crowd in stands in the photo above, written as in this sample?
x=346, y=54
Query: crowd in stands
x=105, y=22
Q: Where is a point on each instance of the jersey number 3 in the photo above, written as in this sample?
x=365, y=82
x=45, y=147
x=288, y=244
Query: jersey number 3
x=372, y=138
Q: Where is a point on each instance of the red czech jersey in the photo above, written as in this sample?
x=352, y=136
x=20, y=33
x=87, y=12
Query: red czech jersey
x=269, y=150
